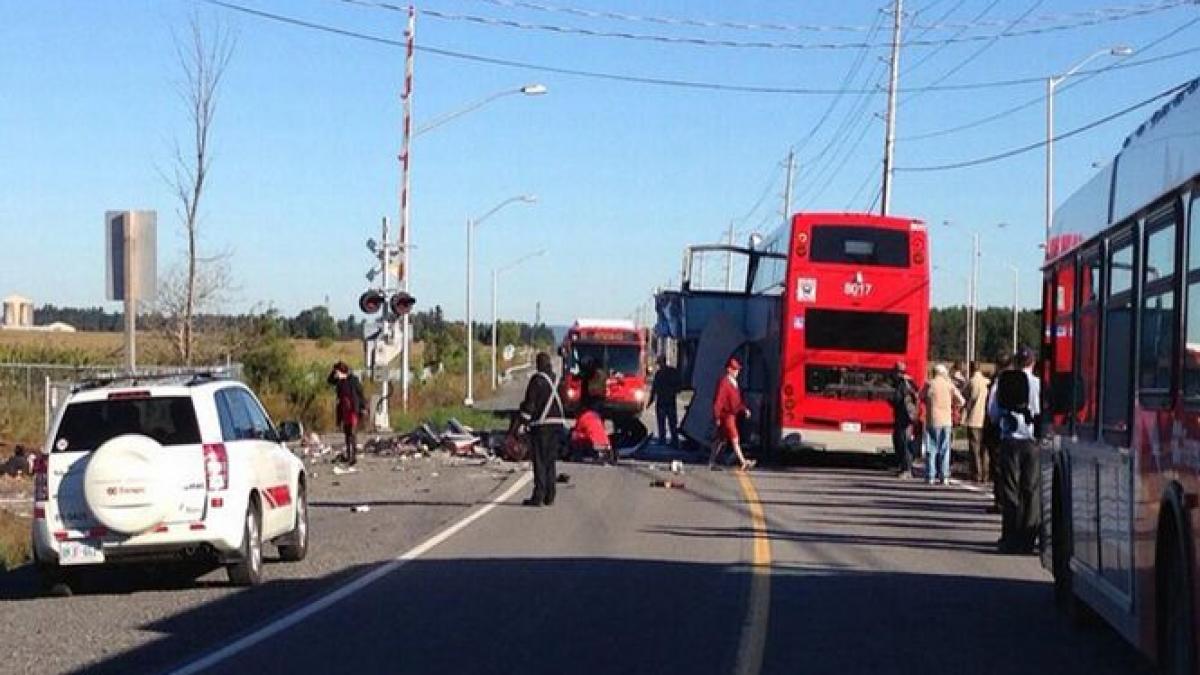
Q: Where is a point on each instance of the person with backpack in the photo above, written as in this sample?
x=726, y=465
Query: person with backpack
x=941, y=396
x=542, y=412
x=905, y=409
x=1016, y=408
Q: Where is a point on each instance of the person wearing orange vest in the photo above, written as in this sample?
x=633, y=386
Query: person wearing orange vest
x=727, y=408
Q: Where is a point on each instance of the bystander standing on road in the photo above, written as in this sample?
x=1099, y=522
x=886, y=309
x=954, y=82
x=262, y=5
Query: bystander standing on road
x=350, y=407
x=1016, y=407
x=991, y=433
x=976, y=412
x=542, y=412
x=663, y=393
x=905, y=409
x=727, y=408
x=940, y=397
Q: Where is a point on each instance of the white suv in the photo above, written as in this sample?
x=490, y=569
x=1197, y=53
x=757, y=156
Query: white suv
x=167, y=469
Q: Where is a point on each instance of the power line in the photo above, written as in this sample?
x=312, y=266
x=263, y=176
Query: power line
x=1101, y=14
x=1080, y=77
x=628, y=78
x=496, y=22
x=847, y=80
x=938, y=49
x=1034, y=146
x=978, y=52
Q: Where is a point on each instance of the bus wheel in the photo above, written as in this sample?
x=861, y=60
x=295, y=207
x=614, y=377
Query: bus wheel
x=1176, y=626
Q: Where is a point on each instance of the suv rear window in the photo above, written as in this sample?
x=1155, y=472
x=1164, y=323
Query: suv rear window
x=170, y=420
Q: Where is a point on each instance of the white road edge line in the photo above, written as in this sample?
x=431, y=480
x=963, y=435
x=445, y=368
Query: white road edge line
x=972, y=488
x=339, y=594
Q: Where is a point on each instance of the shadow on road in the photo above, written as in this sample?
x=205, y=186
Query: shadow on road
x=600, y=615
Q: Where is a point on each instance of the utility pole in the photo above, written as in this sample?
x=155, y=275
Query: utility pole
x=974, y=326
x=405, y=183
x=889, y=142
x=787, y=186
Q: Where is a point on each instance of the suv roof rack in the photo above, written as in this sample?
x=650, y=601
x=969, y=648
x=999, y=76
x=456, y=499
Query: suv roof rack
x=187, y=376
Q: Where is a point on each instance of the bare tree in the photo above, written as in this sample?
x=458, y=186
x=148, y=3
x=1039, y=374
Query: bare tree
x=203, y=57
x=210, y=285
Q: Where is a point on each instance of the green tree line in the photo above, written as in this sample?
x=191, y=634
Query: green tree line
x=315, y=323
x=994, y=327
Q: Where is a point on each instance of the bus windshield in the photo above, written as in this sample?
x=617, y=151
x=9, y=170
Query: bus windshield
x=615, y=358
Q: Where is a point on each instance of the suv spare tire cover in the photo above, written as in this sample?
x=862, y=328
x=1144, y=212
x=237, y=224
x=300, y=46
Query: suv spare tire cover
x=127, y=485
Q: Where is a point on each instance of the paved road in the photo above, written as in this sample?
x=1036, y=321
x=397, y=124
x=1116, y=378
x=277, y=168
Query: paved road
x=866, y=574
x=133, y=622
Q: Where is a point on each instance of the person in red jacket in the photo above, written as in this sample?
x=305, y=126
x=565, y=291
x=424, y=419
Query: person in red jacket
x=589, y=436
x=727, y=408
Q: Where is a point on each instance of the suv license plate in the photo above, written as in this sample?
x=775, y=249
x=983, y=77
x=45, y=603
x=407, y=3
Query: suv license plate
x=85, y=552
x=852, y=427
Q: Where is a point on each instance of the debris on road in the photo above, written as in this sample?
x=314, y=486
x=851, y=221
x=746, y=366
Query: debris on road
x=342, y=471
x=668, y=484
x=562, y=478
x=676, y=466
x=361, y=508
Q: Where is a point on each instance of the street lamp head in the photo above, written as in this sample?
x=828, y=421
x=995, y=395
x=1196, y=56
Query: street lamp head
x=534, y=89
x=1121, y=50
x=528, y=199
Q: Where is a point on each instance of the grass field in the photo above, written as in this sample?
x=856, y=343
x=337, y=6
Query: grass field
x=14, y=540
x=109, y=348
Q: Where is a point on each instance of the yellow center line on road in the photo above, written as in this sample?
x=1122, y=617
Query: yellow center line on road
x=753, y=642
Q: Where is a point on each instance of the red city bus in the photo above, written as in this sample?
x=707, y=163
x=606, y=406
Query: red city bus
x=855, y=293
x=619, y=348
x=1121, y=378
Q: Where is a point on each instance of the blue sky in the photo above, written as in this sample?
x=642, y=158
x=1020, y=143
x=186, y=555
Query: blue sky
x=626, y=174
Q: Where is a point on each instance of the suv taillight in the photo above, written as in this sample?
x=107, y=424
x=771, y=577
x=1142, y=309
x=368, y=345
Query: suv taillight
x=216, y=467
x=41, y=478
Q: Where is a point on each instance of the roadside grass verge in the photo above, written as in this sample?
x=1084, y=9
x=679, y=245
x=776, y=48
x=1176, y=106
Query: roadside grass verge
x=15, y=545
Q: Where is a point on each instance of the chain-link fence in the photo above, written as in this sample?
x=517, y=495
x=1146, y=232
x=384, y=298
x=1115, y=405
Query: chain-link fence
x=43, y=387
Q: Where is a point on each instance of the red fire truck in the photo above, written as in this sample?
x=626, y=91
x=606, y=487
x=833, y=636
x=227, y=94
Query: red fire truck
x=616, y=349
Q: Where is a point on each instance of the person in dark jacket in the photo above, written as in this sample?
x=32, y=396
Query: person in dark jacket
x=905, y=408
x=350, y=407
x=662, y=393
x=542, y=412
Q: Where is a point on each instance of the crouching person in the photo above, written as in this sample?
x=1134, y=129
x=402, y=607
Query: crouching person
x=589, y=438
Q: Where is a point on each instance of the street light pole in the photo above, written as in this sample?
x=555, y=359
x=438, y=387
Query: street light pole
x=527, y=90
x=1016, y=299
x=1051, y=83
x=495, y=318
x=469, y=399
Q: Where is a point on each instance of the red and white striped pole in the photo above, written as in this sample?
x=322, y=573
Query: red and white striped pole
x=406, y=97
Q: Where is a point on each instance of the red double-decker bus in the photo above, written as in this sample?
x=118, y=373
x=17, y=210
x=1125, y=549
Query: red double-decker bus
x=1121, y=377
x=855, y=294
x=829, y=304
